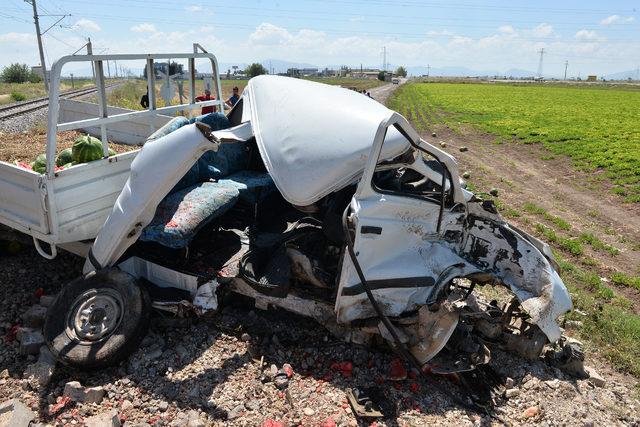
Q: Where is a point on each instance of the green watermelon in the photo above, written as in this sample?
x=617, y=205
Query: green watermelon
x=86, y=149
x=64, y=157
x=68, y=165
x=40, y=164
x=112, y=152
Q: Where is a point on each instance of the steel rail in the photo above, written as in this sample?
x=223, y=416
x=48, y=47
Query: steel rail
x=36, y=104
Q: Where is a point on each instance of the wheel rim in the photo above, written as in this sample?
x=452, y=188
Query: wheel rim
x=95, y=315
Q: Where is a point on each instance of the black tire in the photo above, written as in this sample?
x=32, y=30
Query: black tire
x=69, y=329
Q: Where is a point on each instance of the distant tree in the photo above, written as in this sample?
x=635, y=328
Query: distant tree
x=381, y=76
x=19, y=73
x=255, y=69
x=401, y=71
x=175, y=68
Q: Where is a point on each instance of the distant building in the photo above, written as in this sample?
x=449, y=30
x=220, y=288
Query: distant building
x=370, y=74
x=38, y=70
x=592, y=78
x=302, y=72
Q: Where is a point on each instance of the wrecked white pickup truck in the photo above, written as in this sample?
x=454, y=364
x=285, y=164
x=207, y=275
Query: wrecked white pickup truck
x=320, y=201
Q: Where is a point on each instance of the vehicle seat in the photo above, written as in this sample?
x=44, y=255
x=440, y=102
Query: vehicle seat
x=182, y=214
x=253, y=186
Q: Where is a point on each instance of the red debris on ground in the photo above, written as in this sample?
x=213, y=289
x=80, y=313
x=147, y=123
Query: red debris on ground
x=272, y=423
x=57, y=407
x=345, y=368
x=414, y=387
x=328, y=423
x=287, y=370
x=39, y=292
x=397, y=371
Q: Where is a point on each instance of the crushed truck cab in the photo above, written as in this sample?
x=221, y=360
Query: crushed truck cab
x=323, y=202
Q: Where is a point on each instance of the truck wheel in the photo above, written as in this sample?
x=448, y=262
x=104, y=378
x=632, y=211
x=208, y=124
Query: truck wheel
x=97, y=321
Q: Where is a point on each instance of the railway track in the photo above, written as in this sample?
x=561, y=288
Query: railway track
x=25, y=107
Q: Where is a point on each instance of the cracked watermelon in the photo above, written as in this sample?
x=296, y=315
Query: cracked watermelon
x=40, y=164
x=64, y=157
x=86, y=149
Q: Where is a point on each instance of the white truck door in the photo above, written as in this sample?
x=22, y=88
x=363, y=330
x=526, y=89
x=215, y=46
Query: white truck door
x=394, y=216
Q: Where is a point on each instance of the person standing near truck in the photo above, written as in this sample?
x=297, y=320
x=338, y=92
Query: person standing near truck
x=233, y=98
x=207, y=97
x=144, y=100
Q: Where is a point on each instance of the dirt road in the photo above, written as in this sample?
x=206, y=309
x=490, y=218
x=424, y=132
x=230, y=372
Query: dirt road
x=381, y=93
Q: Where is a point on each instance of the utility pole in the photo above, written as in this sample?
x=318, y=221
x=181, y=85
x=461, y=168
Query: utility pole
x=428, y=69
x=541, y=52
x=566, y=64
x=39, y=36
x=90, y=52
x=384, y=58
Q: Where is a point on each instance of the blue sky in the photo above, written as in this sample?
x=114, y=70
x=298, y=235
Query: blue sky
x=595, y=37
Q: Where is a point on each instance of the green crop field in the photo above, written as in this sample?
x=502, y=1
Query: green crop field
x=597, y=127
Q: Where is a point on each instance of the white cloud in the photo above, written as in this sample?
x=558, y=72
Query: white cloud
x=586, y=35
x=495, y=50
x=87, y=25
x=19, y=38
x=609, y=20
x=194, y=8
x=269, y=34
x=506, y=29
x=144, y=28
x=543, y=30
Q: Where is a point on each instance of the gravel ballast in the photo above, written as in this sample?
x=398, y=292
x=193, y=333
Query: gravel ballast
x=217, y=371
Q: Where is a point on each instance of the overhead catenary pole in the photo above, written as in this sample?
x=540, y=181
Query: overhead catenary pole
x=384, y=58
x=40, y=48
x=566, y=64
x=428, y=69
x=90, y=52
x=541, y=52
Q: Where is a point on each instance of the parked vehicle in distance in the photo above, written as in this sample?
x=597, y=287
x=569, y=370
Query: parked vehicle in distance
x=395, y=80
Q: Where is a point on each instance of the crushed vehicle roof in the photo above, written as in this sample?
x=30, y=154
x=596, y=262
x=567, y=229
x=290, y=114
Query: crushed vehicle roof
x=314, y=138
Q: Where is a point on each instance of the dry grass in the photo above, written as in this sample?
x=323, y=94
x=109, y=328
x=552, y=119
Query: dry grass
x=35, y=90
